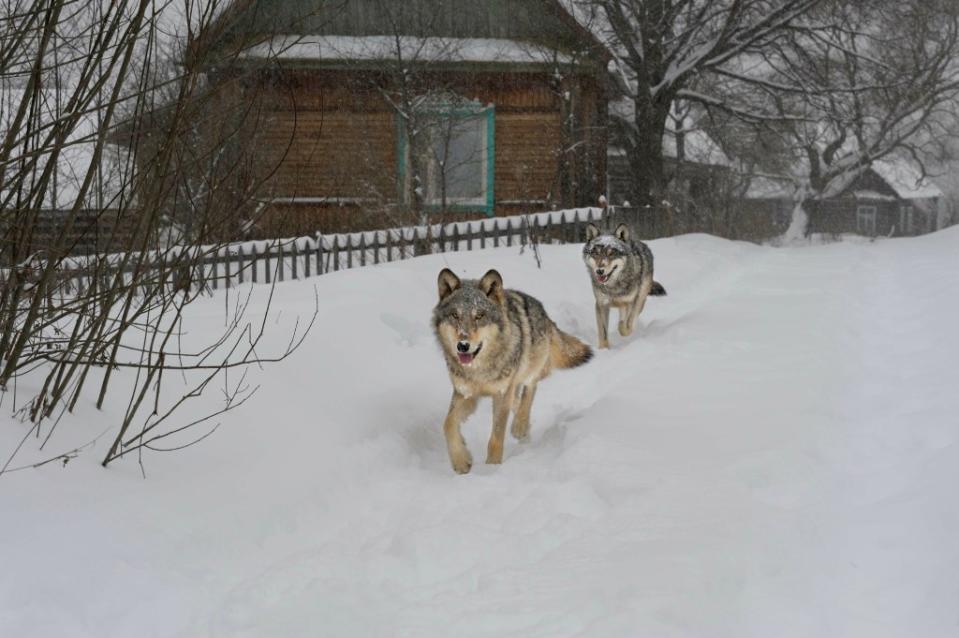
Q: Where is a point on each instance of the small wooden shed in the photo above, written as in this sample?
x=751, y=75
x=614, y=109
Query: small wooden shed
x=887, y=199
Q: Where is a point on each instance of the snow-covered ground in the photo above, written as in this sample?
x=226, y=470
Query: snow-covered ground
x=775, y=452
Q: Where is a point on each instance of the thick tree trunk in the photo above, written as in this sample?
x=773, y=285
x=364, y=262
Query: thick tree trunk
x=802, y=205
x=645, y=153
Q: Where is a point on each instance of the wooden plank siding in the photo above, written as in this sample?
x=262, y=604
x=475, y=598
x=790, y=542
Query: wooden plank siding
x=838, y=216
x=330, y=140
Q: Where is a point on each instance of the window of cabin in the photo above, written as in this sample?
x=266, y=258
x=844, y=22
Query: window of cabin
x=866, y=220
x=454, y=153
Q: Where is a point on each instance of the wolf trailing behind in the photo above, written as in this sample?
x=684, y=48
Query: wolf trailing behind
x=621, y=271
x=497, y=343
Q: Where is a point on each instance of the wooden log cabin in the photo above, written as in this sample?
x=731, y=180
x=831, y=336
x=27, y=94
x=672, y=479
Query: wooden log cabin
x=377, y=113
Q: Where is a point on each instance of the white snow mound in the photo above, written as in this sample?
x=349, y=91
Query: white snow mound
x=774, y=452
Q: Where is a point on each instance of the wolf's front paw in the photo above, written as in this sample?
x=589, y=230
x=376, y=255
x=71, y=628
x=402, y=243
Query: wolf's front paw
x=604, y=344
x=494, y=455
x=520, y=431
x=624, y=329
x=461, y=460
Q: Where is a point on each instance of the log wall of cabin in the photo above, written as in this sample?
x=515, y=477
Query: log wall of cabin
x=330, y=141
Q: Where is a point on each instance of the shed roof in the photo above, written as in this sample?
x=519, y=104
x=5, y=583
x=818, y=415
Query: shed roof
x=908, y=182
x=336, y=48
x=541, y=22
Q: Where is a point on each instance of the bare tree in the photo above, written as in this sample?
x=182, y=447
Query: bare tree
x=110, y=125
x=661, y=50
x=872, y=80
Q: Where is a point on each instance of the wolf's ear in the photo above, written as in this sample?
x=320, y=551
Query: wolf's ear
x=492, y=286
x=592, y=232
x=448, y=283
x=622, y=232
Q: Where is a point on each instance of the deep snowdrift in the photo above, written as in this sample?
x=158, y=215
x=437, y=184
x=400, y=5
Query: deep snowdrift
x=773, y=453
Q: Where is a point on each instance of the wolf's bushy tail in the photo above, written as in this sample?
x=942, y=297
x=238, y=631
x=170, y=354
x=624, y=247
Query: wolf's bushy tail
x=566, y=351
x=657, y=290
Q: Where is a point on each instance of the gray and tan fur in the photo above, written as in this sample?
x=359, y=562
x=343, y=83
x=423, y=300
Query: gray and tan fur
x=621, y=271
x=497, y=343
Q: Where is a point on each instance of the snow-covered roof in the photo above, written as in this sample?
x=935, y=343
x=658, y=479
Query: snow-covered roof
x=769, y=187
x=908, y=182
x=873, y=195
x=698, y=146
x=335, y=48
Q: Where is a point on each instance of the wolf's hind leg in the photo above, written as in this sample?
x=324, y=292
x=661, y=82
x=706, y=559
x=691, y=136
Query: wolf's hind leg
x=625, y=314
x=520, y=428
x=637, y=306
x=501, y=407
x=602, y=324
x=460, y=409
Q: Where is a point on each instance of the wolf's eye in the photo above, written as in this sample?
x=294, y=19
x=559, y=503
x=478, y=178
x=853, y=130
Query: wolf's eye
x=456, y=316
x=480, y=314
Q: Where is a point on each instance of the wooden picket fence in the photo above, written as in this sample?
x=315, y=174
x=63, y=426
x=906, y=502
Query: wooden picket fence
x=268, y=261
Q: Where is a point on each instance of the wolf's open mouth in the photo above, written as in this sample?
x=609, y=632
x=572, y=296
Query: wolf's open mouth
x=466, y=358
x=604, y=278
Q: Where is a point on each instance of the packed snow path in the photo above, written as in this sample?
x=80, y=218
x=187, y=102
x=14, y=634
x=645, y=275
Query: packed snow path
x=772, y=453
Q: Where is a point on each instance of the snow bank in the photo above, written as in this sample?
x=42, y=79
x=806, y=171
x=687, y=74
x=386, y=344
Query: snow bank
x=774, y=453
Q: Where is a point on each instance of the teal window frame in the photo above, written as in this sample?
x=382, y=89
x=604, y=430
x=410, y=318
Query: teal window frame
x=453, y=111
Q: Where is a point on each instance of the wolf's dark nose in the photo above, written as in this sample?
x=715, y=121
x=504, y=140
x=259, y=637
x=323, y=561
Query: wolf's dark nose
x=463, y=346
x=600, y=271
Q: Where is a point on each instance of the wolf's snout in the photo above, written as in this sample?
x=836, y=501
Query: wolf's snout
x=465, y=354
x=600, y=271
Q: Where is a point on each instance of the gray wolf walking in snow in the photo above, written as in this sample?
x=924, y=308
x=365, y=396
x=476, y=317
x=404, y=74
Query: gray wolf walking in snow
x=497, y=343
x=621, y=271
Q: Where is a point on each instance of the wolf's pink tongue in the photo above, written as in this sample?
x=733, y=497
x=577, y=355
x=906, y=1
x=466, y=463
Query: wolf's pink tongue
x=465, y=357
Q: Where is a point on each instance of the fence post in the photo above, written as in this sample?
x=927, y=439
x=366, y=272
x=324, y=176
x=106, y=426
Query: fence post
x=295, y=254
x=268, y=257
x=242, y=263
x=336, y=252
x=306, y=260
x=204, y=263
x=362, y=249
x=279, y=264
x=319, y=255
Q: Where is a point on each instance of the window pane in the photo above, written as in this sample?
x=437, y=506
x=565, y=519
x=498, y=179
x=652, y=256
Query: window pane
x=466, y=159
x=455, y=158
